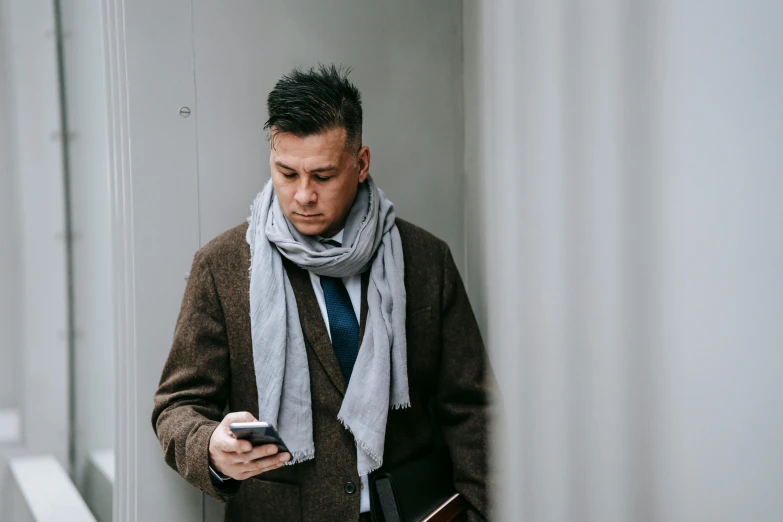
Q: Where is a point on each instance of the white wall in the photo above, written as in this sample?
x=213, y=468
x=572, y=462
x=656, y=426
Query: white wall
x=92, y=277
x=180, y=181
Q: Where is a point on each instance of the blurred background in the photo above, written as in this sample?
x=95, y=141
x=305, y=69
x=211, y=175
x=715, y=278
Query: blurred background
x=608, y=174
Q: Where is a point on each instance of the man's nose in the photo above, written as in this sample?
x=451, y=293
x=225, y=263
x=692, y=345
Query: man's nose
x=305, y=195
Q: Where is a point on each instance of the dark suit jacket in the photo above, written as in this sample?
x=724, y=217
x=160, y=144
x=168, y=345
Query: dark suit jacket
x=210, y=367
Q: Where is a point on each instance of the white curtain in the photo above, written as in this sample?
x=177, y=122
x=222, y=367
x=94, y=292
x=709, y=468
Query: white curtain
x=626, y=172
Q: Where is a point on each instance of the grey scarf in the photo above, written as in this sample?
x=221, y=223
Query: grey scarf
x=380, y=379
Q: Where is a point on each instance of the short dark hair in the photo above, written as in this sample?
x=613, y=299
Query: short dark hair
x=306, y=102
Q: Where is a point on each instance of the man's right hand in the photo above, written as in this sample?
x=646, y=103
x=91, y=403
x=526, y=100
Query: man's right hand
x=238, y=458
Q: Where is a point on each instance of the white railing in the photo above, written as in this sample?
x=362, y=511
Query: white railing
x=99, y=484
x=43, y=492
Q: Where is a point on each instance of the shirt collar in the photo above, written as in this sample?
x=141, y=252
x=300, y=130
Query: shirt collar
x=337, y=237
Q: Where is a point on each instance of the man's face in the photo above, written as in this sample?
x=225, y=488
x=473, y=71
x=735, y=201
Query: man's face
x=316, y=178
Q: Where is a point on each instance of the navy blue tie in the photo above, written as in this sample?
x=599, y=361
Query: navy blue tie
x=342, y=322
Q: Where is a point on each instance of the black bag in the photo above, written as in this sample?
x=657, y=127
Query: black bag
x=414, y=490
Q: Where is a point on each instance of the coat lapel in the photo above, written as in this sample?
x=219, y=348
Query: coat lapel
x=313, y=325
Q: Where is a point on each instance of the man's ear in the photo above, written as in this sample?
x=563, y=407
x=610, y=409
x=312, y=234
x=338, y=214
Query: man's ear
x=363, y=161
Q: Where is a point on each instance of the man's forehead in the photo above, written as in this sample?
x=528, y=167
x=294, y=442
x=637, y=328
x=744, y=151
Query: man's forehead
x=310, y=159
x=330, y=140
x=311, y=152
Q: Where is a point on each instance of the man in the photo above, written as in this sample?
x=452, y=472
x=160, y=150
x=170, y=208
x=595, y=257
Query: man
x=328, y=317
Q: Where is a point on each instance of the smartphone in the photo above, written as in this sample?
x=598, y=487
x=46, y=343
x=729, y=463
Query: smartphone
x=258, y=433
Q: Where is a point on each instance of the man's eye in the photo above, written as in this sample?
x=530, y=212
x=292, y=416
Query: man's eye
x=323, y=178
x=289, y=175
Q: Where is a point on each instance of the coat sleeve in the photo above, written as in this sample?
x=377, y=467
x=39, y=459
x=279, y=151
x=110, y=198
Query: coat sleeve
x=462, y=400
x=193, y=389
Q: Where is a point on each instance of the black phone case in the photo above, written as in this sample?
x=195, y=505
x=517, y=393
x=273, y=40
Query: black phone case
x=261, y=436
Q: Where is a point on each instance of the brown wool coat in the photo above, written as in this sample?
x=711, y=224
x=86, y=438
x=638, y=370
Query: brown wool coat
x=210, y=367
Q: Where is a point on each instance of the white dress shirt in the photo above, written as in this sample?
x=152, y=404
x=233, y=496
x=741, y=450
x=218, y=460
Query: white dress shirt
x=353, y=284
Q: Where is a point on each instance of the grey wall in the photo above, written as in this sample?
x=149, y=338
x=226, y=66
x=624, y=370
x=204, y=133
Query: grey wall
x=41, y=301
x=155, y=234
x=184, y=180
x=407, y=61
x=92, y=277
x=474, y=206
x=720, y=257
x=9, y=291
x=33, y=349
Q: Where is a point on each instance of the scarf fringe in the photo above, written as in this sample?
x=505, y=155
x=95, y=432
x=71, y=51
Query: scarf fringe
x=365, y=448
x=301, y=456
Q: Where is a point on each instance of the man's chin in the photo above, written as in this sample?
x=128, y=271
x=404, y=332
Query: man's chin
x=308, y=229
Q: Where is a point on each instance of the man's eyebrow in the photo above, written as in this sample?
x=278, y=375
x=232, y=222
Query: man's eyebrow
x=282, y=165
x=325, y=169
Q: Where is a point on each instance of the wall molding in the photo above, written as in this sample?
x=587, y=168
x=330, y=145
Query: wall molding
x=125, y=499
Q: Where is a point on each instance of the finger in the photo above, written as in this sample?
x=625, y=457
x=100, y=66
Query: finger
x=274, y=460
x=264, y=450
x=225, y=441
x=231, y=445
x=246, y=474
x=265, y=464
x=239, y=469
x=258, y=453
x=236, y=473
x=238, y=416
